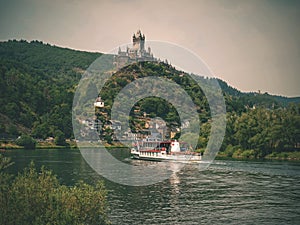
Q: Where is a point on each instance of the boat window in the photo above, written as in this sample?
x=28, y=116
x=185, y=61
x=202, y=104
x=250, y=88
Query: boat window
x=183, y=147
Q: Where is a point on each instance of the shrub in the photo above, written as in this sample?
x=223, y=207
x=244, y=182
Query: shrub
x=26, y=141
x=237, y=153
x=60, y=138
x=249, y=154
x=229, y=151
x=34, y=197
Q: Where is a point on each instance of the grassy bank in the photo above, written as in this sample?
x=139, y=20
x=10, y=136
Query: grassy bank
x=6, y=145
x=284, y=156
x=70, y=144
x=289, y=156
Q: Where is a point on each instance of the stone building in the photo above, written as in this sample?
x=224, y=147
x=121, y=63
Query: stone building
x=136, y=53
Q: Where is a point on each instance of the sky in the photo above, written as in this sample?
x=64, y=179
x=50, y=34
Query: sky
x=251, y=44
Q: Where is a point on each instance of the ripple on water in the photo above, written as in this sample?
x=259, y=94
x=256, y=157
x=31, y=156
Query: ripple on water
x=226, y=193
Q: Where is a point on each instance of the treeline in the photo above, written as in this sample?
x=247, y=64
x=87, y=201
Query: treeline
x=260, y=132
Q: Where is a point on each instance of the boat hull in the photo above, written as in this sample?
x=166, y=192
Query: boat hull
x=158, y=156
x=164, y=151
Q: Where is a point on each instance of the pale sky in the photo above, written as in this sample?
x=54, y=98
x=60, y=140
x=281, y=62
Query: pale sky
x=251, y=44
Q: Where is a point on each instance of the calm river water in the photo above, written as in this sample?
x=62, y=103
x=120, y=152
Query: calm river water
x=228, y=192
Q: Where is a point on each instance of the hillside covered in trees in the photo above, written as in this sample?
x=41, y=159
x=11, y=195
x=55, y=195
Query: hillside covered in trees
x=38, y=82
x=37, y=87
x=257, y=124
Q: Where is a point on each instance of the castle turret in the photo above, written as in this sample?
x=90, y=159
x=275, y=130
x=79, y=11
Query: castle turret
x=138, y=41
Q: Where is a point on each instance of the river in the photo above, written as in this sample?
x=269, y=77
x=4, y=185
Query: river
x=228, y=192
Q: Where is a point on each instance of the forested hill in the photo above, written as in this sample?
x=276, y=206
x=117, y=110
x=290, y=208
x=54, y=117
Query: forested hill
x=38, y=82
x=37, y=86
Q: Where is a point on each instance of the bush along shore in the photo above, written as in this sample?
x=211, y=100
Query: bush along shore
x=28, y=142
x=235, y=152
x=36, y=197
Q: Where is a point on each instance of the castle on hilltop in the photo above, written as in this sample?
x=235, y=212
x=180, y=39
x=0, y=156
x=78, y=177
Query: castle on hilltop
x=135, y=54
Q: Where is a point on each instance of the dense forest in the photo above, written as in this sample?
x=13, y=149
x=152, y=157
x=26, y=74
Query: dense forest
x=38, y=82
x=37, y=88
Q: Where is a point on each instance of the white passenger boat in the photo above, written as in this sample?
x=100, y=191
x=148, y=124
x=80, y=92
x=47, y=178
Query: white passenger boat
x=164, y=150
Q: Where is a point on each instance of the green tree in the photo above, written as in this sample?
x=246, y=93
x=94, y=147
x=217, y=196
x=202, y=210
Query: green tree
x=26, y=141
x=12, y=130
x=60, y=138
x=41, y=131
x=108, y=135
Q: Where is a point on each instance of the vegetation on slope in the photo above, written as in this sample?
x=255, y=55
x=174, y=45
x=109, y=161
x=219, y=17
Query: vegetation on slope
x=257, y=125
x=38, y=82
x=37, y=87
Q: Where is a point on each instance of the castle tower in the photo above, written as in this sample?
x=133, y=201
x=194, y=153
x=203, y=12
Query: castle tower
x=138, y=41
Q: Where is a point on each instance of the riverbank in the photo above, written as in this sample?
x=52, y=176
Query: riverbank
x=10, y=145
x=283, y=156
x=286, y=156
x=70, y=144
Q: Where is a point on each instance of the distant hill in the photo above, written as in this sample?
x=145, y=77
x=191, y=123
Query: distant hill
x=259, y=99
x=38, y=82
